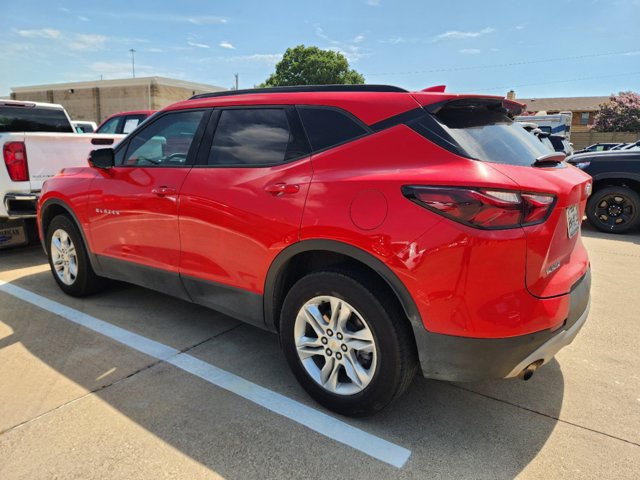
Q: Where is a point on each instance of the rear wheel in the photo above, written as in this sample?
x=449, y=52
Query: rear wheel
x=69, y=260
x=614, y=209
x=351, y=350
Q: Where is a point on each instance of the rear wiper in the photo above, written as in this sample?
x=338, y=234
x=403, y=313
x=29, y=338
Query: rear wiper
x=550, y=159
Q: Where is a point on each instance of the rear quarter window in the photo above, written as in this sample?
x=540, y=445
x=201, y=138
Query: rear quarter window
x=327, y=127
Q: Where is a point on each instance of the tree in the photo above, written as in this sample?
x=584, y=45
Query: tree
x=620, y=114
x=312, y=66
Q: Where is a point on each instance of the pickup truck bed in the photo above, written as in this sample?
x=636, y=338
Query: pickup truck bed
x=47, y=154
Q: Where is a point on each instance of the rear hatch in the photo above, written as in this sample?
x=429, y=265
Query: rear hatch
x=482, y=129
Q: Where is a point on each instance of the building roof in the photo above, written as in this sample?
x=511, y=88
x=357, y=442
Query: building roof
x=561, y=104
x=122, y=82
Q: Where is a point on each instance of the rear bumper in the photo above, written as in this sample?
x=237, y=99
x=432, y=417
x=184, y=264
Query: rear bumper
x=464, y=359
x=20, y=205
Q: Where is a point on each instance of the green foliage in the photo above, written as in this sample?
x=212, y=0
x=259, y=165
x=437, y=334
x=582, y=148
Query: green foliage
x=620, y=114
x=312, y=66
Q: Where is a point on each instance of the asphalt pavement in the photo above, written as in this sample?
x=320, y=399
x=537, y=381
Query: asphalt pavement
x=131, y=383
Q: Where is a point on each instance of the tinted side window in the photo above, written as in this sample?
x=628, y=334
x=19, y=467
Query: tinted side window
x=165, y=142
x=252, y=136
x=25, y=119
x=327, y=127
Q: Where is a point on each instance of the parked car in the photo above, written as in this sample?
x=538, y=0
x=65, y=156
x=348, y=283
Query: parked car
x=377, y=231
x=631, y=146
x=598, y=147
x=82, y=126
x=544, y=139
x=614, y=205
x=556, y=124
x=124, y=122
x=561, y=144
x=37, y=141
x=620, y=146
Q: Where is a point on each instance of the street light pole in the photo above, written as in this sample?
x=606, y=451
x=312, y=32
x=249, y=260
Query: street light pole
x=133, y=62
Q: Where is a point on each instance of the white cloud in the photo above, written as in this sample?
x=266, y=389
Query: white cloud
x=41, y=33
x=373, y=3
x=65, y=10
x=519, y=27
x=320, y=33
x=111, y=70
x=470, y=51
x=399, y=40
x=267, y=58
x=83, y=42
x=47, y=38
x=352, y=53
x=350, y=49
x=226, y=44
x=162, y=17
x=83, y=18
x=155, y=50
x=198, y=45
x=206, y=20
x=457, y=34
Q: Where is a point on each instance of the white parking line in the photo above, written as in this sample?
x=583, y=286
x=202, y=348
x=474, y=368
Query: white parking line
x=311, y=418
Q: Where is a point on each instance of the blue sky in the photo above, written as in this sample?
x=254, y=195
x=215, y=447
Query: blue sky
x=471, y=46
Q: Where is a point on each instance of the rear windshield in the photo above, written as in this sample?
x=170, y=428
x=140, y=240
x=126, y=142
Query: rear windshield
x=481, y=132
x=25, y=119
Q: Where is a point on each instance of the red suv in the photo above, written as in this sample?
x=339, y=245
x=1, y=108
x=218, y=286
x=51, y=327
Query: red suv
x=378, y=231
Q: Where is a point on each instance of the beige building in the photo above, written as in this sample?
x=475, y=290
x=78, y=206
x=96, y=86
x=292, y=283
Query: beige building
x=96, y=100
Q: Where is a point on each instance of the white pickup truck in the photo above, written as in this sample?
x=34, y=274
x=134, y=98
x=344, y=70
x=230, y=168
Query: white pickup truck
x=37, y=141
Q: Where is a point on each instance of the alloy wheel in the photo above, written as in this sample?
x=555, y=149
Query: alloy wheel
x=335, y=345
x=64, y=257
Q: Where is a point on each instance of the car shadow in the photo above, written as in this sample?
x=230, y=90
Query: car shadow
x=482, y=430
x=590, y=231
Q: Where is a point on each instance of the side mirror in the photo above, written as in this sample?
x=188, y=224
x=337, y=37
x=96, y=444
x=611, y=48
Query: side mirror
x=102, y=158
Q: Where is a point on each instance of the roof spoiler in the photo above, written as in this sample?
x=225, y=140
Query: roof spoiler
x=435, y=89
x=433, y=104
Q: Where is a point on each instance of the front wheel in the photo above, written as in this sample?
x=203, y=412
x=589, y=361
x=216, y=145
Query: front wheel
x=614, y=209
x=69, y=260
x=351, y=350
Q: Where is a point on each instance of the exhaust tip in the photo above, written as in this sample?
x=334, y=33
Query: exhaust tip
x=528, y=371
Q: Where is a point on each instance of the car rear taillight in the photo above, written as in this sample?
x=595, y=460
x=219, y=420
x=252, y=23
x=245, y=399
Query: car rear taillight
x=484, y=208
x=15, y=158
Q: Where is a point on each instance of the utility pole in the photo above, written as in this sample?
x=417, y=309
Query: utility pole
x=133, y=62
x=236, y=75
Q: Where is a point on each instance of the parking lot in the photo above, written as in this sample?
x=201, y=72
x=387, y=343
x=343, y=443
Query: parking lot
x=135, y=384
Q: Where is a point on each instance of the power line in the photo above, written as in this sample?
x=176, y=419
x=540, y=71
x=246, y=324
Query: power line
x=561, y=81
x=501, y=65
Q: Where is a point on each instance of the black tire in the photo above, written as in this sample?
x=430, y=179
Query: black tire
x=85, y=281
x=614, y=209
x=396, y=355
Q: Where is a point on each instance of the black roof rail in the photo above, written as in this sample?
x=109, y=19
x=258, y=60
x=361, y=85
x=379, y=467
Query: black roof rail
x=304, y=88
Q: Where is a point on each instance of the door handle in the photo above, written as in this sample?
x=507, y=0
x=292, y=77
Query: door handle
x=164, y=190
x=276, y=189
